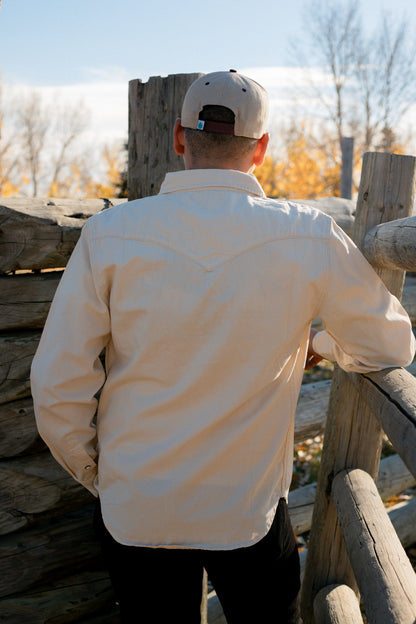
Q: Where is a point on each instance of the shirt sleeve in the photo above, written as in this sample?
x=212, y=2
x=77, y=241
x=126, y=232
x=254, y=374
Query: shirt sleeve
x=67, y=372
x=365, y=326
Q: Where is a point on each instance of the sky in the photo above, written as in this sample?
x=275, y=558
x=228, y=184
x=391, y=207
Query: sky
x=88, y=50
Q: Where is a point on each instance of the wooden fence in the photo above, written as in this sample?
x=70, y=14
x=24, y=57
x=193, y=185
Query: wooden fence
x=50, y=566
x=352, y=542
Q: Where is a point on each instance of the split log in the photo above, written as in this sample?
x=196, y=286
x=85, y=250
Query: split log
x=41, y=233
x=16, y=355
x=311, y=410
x=337, y=604
x=47, y=552
x=300, y=505
x=68, y=600
x=18, y=431
x=35, y=488
x=393, y=478
x=26, y=299
x=375, y=550
x=25, y=492
x=391, y=396
x=403, y=518
x=392, y=245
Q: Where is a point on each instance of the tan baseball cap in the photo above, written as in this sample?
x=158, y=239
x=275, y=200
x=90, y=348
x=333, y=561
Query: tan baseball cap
x=245, y=97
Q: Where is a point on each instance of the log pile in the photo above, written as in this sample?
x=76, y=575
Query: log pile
x=50, y=566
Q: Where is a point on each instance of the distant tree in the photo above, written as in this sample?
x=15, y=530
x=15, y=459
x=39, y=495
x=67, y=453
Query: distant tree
x=385, y=74
x=122, y=183
x=114, y=181
x=34, y=123
x=49, y=141
x=68, y=125
x=373, y=77
x=10, y=180
x=43, y=151
x=300, y=168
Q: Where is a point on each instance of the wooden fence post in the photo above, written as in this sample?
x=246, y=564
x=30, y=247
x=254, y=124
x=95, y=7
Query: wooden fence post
x=353, y=436
x=383, y=571
x=347, y=147
x=153, y=109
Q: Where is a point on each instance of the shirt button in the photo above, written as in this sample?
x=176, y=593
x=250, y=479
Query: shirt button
x=87, y=467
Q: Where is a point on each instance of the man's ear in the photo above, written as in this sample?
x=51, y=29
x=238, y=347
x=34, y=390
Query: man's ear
x=261, y=149
x=178, y=138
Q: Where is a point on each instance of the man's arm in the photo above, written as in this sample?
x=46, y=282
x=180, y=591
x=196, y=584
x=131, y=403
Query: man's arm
x=66, y=370
x=365, y=326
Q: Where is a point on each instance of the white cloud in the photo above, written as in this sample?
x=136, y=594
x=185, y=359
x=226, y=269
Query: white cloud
x=107, y=103
x=273, y=78
x=106, y=97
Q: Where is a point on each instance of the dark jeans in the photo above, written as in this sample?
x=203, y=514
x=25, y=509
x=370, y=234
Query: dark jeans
x=258, y=584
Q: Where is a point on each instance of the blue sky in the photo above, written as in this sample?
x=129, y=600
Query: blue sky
x=54, y=42
x=90, y=49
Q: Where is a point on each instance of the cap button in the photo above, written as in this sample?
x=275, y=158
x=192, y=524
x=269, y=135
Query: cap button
x=233, y=70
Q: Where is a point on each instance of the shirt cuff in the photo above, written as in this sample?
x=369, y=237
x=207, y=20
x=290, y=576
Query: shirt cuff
x=324, y=345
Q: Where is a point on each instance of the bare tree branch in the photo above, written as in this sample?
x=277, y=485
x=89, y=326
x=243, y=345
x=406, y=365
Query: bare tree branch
x=373, y=77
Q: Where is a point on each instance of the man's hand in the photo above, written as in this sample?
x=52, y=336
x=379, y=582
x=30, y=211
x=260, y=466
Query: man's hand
x=312, y=358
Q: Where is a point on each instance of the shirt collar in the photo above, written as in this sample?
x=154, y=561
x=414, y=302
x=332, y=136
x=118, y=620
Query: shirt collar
x=192, y=179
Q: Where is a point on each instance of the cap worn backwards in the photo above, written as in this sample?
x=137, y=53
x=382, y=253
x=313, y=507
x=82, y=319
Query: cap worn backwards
x=246, y=98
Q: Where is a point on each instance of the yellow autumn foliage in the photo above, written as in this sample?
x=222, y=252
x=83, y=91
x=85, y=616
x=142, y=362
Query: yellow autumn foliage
x=304, y=169
x=8, y=189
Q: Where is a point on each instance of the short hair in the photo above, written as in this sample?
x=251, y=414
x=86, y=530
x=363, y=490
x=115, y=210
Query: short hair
x=225, y=146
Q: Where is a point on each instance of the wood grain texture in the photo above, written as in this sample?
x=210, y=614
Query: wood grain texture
x=391, y=396
x=393, y=478
x=81, y=597
x=34, y=488
x=384, y=574
x=47, y=552
x=337, y=604
x=311, y=410
x=16, y=355
x=386, y=193
x=392, y=245
x=18, y=431
x=42, y=233
x=153, y=108
x=26, y=299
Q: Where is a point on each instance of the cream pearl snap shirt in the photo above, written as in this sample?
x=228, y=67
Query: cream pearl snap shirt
x=203, y=297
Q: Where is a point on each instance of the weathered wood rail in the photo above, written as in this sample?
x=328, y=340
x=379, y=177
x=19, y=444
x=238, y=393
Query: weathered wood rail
x=383, y=572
